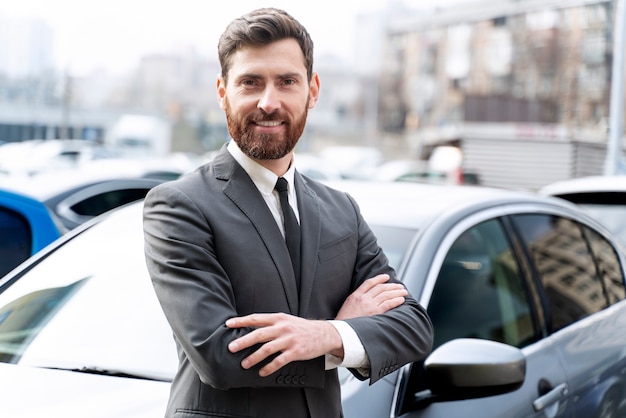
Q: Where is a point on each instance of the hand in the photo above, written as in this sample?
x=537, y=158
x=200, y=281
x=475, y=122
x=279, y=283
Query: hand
x=373, y=297
x=291, y=337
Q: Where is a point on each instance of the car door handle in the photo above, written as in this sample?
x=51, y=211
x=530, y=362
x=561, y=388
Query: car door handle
x=551, y=397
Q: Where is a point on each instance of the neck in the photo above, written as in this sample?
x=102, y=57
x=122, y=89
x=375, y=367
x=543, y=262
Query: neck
x=279, y=166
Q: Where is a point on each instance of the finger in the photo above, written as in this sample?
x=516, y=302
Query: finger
x=391, y=303
x=253, y=320
x=381, y=289
x=392, y=291
x=258, y=336
x=274, y=365
x=389, y=300
x=372, y=282
x=265, y=351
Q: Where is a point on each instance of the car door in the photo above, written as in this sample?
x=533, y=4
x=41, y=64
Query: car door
x=26, y=226
x=484, y=289
x=15, y=240
x=583, y=282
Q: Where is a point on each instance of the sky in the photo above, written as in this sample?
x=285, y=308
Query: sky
x=113, y=34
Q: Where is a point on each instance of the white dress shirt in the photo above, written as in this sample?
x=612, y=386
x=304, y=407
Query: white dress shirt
x=265, y=180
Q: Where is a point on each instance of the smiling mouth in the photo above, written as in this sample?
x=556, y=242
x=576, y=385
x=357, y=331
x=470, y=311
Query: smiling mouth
x=268, y=123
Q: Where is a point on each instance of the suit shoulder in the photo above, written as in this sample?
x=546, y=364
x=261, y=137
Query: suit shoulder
x=331, y=188
x=188, y=184
x=330, y=194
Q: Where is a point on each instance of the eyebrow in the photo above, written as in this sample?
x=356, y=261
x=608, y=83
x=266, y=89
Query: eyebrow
x=291, y=75
x=280, y=76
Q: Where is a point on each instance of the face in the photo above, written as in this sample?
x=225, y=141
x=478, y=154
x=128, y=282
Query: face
x=266, y=98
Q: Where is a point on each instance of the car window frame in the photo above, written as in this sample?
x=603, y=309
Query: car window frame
x=452, y=230
x=491, y=226
x=64, y=206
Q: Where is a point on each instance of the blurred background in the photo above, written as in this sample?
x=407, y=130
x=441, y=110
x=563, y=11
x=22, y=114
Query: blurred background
x=505, y=93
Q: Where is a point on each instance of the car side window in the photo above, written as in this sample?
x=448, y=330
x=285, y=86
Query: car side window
x=608, y=266
x=103, y=202
x=15, y=240
x=480, y=291
x=567, y=270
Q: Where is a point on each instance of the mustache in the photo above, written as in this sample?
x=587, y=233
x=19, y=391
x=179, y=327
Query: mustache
x=267, y=117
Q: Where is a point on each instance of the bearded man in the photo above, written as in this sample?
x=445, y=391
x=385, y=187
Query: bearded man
x=268, y=295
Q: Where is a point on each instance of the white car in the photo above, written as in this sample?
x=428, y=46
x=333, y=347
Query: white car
x=526, y=294
x=604, y=197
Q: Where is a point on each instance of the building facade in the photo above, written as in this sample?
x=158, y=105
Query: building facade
x=503, y=77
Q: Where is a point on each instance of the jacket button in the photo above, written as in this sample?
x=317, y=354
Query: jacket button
x=280, y=380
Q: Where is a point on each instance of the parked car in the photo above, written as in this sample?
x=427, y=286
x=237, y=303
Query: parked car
x=33, y=156
x=316, y=167
x=420, y=171
x=36, y=210
x=77, y=194
x=604, y=197
x=26, y=226
x=526, y=294
x=351, y=161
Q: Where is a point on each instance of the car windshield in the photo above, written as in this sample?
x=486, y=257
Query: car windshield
x=90, y=305
x=395, y=241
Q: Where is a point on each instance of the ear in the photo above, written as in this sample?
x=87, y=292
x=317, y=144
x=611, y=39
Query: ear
x=314, y=90
x=221, y=91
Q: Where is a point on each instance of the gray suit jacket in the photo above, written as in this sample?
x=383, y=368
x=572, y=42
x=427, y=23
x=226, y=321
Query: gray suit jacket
x=214, y=251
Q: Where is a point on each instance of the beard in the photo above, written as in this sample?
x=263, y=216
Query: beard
x=264, y=146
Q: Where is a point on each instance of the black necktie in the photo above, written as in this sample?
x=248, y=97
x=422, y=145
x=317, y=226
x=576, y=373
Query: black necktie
x=292, y=228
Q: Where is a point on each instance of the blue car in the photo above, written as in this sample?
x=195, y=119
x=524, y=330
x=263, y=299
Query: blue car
x=36, y=210
x=26, y=226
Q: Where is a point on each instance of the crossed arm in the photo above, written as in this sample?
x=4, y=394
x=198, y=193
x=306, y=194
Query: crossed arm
x=294, y=338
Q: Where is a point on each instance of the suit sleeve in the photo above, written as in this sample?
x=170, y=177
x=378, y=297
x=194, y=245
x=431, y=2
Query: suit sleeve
x=397, y=337
x=197, y=297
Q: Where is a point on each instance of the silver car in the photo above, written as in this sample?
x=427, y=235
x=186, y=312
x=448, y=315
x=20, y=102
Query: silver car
x=526, y=294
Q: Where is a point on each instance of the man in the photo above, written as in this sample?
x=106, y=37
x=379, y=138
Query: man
x=257, y=337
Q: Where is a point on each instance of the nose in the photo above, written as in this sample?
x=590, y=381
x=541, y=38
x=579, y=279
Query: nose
x=269, y=100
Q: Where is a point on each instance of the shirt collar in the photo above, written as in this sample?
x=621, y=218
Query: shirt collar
x=264, y=179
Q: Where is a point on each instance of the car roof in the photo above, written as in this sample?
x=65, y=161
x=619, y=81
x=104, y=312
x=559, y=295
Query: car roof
x=588, y=184
x=411, y=204
x=50, y=184
x=45, y=190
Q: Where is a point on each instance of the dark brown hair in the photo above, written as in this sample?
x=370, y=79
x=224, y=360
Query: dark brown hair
x=259, y=28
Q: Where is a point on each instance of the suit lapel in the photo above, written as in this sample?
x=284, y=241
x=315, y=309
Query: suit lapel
x=240, y=189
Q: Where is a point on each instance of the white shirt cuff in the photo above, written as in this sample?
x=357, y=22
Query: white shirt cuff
x=354, y=353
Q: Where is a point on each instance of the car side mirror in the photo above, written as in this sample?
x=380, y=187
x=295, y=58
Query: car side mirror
x=468, y=368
